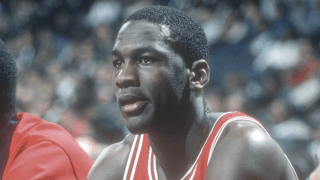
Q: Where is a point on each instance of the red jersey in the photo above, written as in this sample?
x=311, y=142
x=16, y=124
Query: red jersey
x=43, y=150
x=142, y=162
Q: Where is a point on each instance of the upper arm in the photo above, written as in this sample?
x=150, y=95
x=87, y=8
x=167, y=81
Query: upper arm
x=111, y=163
x=41, y=160
x=248, y=152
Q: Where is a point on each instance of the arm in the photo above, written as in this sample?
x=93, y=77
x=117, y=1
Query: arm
x=41, y=160
x=111, y=163
x=245, y=151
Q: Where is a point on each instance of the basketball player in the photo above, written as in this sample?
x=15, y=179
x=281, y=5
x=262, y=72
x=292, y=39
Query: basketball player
x=160, y=70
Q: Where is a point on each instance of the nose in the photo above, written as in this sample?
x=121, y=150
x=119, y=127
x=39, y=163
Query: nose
x=127, y=76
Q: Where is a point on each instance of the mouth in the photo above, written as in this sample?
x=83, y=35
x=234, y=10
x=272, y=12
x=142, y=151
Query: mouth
x=131, y=105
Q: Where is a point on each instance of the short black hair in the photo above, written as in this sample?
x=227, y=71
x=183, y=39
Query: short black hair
x=188, y=37
x=8, y=81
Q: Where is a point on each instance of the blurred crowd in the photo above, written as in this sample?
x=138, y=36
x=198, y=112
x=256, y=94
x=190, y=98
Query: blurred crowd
x=264, y=61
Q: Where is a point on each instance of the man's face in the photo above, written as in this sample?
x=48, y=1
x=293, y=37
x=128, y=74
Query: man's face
x=149, y=78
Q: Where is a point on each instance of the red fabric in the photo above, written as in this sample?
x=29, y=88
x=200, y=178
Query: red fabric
x=43, y=150
x=139, y=160
x=304, y=72
x=79, y=128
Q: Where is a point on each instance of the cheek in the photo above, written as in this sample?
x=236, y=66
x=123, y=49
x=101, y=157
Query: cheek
x=166, y=87
x=157, y=83
x=114, y=76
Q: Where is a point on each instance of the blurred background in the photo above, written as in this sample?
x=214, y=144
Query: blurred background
x=264, y=60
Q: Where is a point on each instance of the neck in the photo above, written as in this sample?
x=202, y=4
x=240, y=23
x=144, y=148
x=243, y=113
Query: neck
x=176, y=149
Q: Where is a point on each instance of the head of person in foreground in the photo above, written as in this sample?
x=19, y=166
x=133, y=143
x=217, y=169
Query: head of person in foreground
x=8, y=83
x=160, y=60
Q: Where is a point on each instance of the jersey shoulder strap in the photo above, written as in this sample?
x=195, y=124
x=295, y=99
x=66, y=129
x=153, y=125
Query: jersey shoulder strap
x=198, y=170
x=137, y=164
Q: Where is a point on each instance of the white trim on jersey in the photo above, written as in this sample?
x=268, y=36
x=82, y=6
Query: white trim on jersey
x=136, y=158
x=130, y=158
x=194, y=172
x=149, y=164
x=155, y=167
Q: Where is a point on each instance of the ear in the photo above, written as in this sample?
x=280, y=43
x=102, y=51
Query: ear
x=199, y=75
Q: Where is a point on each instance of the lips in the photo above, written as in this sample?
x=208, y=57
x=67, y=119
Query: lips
x=131, y=104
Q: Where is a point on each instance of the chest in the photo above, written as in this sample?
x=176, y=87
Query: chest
x=142, y=163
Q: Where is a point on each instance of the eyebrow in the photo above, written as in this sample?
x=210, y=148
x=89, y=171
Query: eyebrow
x=138, y=51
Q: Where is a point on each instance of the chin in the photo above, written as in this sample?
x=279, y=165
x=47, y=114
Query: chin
x=136, y=130
x=136, y=126
x=139, y=124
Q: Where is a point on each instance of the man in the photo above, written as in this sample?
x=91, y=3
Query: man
x=31, y=148
x=160, y=69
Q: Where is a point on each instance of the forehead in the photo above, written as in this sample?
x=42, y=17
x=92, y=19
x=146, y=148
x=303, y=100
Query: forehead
x=142, y=33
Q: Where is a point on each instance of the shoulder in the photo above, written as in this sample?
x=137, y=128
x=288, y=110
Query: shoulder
x=111, y=163
x=33, y=132
x=48, y=160
x=251, y=136
x=247, y=136
x=35, y=128
x=27, y=122
x=33, y=125
x=247, y=149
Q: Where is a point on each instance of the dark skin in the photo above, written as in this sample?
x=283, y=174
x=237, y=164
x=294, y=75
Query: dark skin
x=160, y=96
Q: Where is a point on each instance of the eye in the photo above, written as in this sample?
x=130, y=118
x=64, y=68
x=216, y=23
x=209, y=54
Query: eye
x=117, y=63
x=146, y=60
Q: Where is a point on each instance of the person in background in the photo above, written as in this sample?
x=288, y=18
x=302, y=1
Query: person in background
x=160, y=60
x=30, y=147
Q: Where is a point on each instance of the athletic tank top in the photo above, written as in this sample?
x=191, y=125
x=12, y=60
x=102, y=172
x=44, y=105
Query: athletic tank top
x=141, y=163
